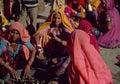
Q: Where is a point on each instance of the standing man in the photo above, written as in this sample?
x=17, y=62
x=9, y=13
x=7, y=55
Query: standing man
x=29, y=9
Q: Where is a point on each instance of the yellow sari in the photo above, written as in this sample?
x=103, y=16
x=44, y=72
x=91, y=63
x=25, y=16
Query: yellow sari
x=4, y=19
x=45, y=37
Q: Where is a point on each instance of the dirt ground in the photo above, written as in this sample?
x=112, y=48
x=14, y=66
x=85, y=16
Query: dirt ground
x=109, y=56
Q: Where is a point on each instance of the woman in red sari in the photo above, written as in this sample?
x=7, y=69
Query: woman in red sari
x=87, y=66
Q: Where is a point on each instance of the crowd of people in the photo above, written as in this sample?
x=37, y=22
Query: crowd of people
x=62, y=50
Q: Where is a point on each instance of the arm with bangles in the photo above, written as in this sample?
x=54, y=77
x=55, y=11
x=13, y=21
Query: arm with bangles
x=38, y=47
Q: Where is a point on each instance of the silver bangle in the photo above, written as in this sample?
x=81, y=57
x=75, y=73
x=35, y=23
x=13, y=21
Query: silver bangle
x=108, y=19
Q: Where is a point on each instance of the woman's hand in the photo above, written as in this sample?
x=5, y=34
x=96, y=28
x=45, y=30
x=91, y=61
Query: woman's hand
x=26, y=71
x=53, y=35
x=60, y=70
x=109, y=25
x=14, y=73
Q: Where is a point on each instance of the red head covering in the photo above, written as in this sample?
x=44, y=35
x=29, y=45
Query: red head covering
x=85, y=26
x=81, y=2
x=22, y=31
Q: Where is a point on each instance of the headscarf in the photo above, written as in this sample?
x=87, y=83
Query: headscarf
x=85, y=26
x=22, y=31
x=65, y=20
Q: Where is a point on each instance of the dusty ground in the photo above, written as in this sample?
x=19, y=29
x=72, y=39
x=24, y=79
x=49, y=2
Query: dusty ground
x=108, y=55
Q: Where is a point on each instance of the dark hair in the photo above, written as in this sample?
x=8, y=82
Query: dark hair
x=91, y=17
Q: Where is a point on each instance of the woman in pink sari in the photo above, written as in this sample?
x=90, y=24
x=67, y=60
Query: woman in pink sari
x=87, y=66
x=88, y=28
x=111, y=38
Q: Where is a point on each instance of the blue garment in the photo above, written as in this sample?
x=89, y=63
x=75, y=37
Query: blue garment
x=28, y=45
x=20, y=43
x=2, y=45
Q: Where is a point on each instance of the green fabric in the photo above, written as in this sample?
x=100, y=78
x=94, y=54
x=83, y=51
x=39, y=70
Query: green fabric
x=2, y=81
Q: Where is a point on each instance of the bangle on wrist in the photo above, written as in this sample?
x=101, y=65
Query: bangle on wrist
x=39, y=48
x=108, y=19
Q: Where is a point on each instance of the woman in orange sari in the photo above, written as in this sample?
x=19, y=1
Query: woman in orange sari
x=15, y=53
x=87, y=66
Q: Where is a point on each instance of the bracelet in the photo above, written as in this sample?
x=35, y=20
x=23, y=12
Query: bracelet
x=108, y=19
x=40, y=49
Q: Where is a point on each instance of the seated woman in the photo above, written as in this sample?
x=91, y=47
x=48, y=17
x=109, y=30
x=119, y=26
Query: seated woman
x=108, y=22
x=16, y=53
x=87, y=66
x=51, y=38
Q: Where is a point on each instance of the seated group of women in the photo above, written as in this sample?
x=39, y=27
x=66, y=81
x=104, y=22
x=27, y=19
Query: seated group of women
x=59, y=52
